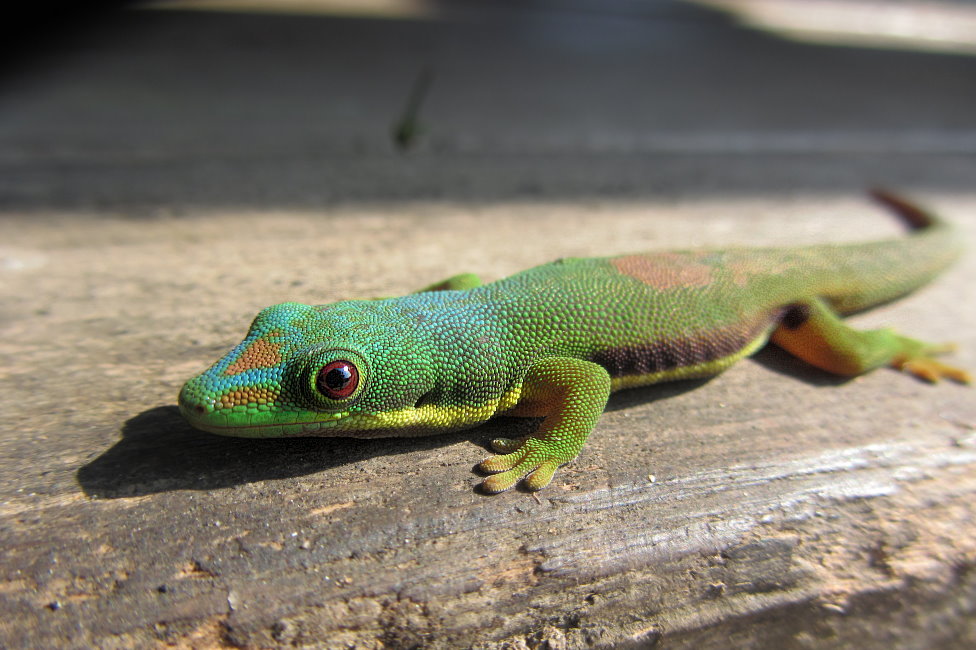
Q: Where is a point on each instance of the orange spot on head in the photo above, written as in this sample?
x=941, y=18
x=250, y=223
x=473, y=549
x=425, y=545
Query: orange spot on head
x=261, y=353
x=247, y=395
x=666, y=270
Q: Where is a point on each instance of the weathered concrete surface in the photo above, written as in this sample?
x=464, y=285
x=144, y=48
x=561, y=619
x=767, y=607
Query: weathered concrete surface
x=165, y=178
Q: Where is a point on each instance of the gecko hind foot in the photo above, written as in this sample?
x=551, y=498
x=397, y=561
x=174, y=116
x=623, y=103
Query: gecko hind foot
x=921, y=363
x=930, y=370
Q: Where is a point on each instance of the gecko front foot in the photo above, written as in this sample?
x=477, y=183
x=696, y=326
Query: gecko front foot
x=569, y=394
x=531, y=456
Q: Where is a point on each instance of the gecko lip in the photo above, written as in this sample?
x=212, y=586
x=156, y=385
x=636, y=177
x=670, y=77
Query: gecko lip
x=215, y=421
x=200, y=417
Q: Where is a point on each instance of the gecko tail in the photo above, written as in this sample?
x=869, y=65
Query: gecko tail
x=917, y=218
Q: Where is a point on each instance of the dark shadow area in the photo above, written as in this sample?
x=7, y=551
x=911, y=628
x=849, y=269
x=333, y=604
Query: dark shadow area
x=33, y=32
x=769, y=356
x=631, y=397
x=148, y=112
x=160, y=452
x=782, y=362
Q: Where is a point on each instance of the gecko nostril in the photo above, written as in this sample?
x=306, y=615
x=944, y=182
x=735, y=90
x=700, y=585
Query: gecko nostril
x=199, y=409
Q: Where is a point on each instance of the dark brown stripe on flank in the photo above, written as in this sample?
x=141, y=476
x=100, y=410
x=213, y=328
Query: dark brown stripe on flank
x=678, y=353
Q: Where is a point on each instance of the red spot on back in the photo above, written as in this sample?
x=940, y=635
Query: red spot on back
x=666, y=270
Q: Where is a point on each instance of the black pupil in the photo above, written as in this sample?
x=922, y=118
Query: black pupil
x=338, y=377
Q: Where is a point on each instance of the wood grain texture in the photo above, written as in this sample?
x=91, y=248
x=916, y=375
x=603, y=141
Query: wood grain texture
x=773, y=503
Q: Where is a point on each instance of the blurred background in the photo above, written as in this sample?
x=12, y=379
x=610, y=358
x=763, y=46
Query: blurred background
x=140, y=107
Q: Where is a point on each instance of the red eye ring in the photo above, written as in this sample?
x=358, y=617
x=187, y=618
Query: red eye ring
x=338, y=379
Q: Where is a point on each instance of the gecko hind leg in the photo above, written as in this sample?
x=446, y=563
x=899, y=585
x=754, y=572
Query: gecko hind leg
x=812, y=331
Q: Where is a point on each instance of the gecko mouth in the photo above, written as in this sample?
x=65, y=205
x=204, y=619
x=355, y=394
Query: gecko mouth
x=199, y=418
x=270, y=429
x=267, y=422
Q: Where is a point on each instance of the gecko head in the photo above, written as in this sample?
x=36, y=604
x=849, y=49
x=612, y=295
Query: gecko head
x=336, y=370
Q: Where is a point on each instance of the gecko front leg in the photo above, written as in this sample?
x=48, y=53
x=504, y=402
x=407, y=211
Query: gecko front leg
x=570, y=394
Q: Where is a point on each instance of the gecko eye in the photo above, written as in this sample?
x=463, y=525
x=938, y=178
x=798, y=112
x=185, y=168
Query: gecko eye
x=338, y=380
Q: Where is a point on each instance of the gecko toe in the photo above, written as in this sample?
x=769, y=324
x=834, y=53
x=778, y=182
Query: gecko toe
x=500, y=482
x=502, y=463
x=506, y=445
x=932, y=371
x=534, y=460
x=541, y=477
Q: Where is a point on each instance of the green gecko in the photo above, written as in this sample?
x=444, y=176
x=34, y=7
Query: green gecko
x=554, y=341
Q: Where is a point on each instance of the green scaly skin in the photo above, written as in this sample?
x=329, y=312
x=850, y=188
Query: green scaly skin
x=554, y=341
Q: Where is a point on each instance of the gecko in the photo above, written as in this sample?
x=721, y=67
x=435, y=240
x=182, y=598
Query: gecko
x=554, y=341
